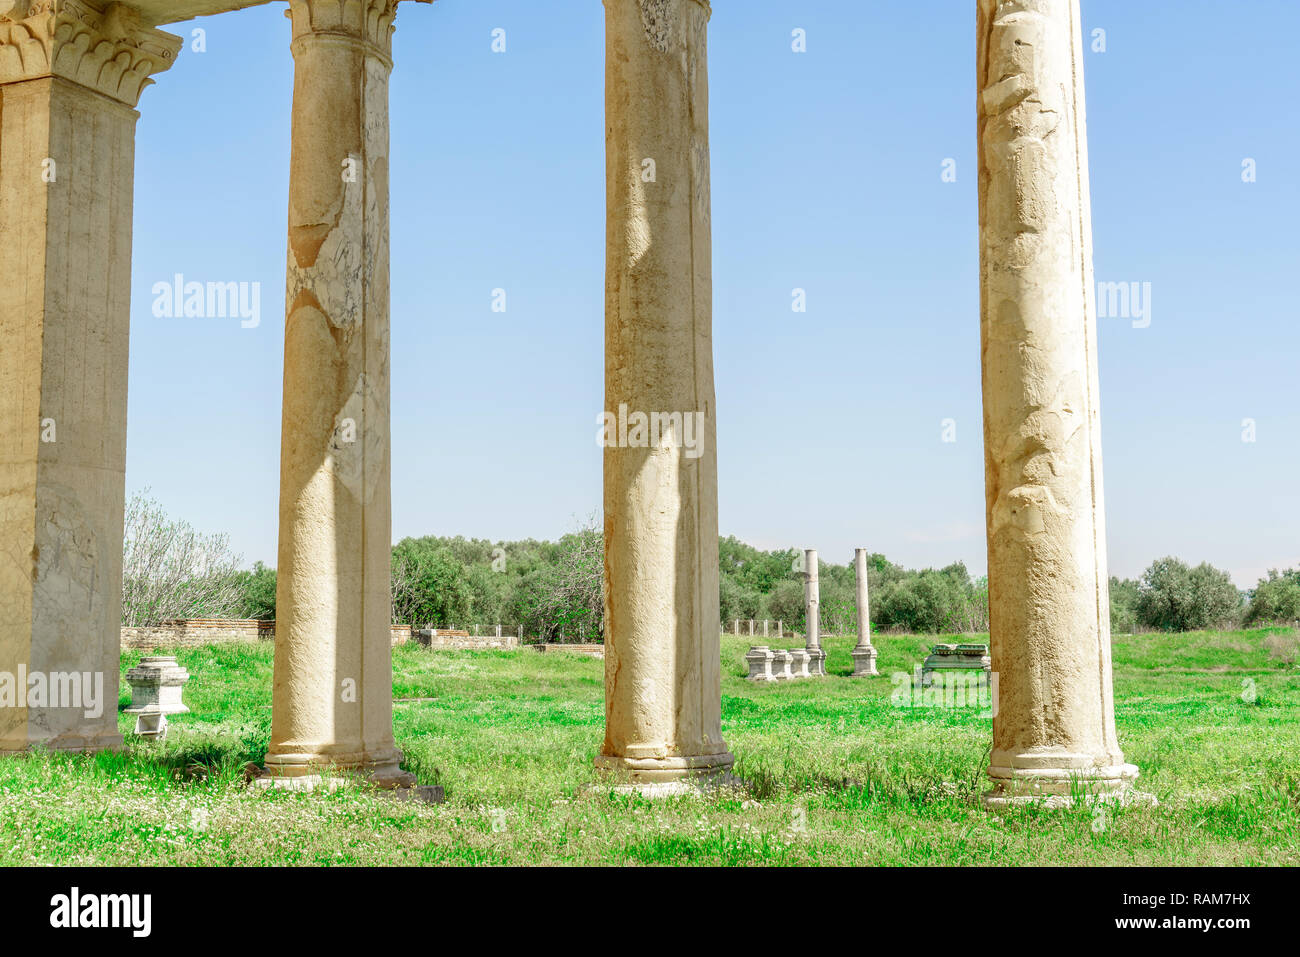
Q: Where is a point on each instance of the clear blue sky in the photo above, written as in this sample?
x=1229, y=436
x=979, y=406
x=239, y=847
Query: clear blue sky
x=826, y=176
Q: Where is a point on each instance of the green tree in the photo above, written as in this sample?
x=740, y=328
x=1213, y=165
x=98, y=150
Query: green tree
x=1124, y=601
x=1275, y=599
x=257, y=593
x=430, y=587
x=1175, y=597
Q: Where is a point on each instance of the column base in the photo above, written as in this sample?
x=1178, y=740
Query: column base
x=1063, y=786
x=67, y=744
x=864, y=662
x=816, y=662
x=655, y=777
x=380, y=768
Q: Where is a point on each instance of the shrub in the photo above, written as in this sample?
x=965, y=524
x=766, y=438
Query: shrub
x=1276, y=598
x=169, y=570
x=256, y=593
x=1174, y=597
x=1124, y=598
x=932, y=601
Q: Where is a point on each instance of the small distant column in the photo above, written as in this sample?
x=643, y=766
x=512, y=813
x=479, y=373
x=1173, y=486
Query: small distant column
x=864, y=655
x=812, y=614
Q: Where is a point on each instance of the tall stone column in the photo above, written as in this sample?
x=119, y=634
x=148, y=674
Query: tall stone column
x=812, y=603
x=332, y=698
x=864, y=654
x=662, y=658
x=71, y=74
x=1048, y=604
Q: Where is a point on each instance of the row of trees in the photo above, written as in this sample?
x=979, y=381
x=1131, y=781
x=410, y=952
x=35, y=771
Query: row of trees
x=553, y=590
x=760, y=585
x=1174, y=596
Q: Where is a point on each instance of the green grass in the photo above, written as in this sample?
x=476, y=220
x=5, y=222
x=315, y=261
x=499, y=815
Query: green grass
x=837, y=774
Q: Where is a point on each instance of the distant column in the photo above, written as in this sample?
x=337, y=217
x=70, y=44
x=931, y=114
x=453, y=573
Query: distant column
x=812, y=615
x=1054, y=725
x=864, y=655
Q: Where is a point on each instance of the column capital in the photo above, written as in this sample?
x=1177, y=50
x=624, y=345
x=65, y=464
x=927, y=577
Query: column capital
x=364, y=21
x=647, y=5
x=101, y=47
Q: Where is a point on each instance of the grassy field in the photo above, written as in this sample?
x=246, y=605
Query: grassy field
x=837, y=773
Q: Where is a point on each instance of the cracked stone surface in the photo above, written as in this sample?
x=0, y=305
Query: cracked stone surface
x=662, y=668
x=1048, y=603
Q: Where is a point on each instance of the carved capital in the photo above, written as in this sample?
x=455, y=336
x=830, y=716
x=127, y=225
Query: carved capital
x=364, y=21
x=103, y=49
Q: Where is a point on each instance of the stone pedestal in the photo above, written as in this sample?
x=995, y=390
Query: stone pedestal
x=1048, y=603
x=864, y=662
x=782, y=665
x=663, y=718
x=759, y=661
x=332, y=696
x=801, y=663
x=948, y=657
x=864, y=655
x=156, y=684
x=71, y=74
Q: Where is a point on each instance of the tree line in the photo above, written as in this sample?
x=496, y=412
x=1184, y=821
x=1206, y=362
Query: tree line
x=553, y=590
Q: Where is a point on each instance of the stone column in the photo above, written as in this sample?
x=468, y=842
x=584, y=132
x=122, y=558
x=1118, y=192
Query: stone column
x=813, y=614
x=71, y=74
x=1048, y=604
x=662, y=660
x=864, y=655
x=332, y=697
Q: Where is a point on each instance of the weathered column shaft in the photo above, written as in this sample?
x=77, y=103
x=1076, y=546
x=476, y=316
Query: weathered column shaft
x=1048, y=603
x=864, y=654
x=864, y=608
x=813, y=616
x=332, y=698
x=662, y=667
x=812, y=600
x=70, y=77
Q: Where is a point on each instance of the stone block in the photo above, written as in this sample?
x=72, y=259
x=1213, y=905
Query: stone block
x=157, y=682
x=759, y=661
